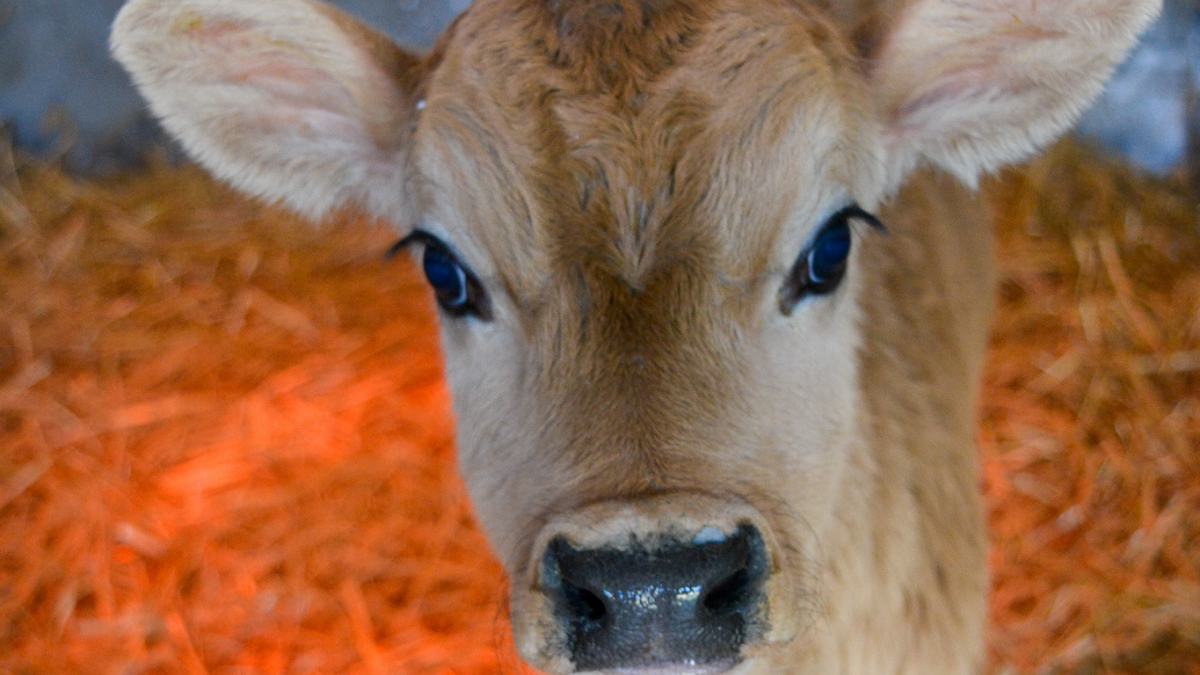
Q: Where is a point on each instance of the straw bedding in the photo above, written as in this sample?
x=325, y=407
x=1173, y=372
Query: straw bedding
x=225, y=444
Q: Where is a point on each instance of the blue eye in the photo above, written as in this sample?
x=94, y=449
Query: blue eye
x=822, y=266
x=827, y=258
x=446, y=276
x=457, y=290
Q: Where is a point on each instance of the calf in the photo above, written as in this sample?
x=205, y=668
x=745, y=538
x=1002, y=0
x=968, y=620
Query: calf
x=714, y=289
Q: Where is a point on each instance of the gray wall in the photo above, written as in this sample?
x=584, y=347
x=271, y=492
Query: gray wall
x=1142, y=112
x=62, y=95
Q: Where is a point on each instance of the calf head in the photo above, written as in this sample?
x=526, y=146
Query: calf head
x=645, y=222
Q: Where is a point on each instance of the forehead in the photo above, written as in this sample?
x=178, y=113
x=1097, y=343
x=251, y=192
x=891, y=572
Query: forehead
x=622, y=138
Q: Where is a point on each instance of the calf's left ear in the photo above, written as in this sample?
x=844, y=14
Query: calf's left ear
x=287, y=99
x=972, y=85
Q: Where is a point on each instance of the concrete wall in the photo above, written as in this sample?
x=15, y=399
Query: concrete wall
x=63, y=96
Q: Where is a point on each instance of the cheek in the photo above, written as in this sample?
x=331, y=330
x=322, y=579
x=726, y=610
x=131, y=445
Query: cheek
x=496, y=436
x=805, y=404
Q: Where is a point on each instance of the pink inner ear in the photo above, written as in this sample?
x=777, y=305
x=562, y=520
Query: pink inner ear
x=947, y=89
x=204, y=31
x=960, y=96
x=952, y=73
x=295, y=84
x=242, y=55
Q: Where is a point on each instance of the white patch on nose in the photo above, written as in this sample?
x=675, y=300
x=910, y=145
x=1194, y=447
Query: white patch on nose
x=708, y=535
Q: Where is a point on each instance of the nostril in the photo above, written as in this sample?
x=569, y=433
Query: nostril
x=584, y=603
x=568, y=576
x=658, y=600
x=730, y=594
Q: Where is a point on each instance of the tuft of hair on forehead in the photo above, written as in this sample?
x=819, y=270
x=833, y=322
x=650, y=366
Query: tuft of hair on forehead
x=619, y=46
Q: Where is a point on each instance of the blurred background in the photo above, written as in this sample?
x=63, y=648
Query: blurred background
x=226, y=444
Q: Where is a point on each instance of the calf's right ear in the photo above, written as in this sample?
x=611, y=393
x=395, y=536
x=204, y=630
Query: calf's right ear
x=287, y=99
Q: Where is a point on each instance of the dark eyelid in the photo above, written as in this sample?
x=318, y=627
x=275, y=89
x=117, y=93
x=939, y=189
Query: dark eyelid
x=858, y=213
x=415, y=237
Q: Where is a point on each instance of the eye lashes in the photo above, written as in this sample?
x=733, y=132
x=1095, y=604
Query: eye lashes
x=414, y=237
x=856, y=212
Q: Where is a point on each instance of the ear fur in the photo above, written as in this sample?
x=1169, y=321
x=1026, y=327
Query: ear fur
x=972, y=85
x=287, y=99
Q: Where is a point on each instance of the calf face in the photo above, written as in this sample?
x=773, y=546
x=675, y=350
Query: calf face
x=712, y=411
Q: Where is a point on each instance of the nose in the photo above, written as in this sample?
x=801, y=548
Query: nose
x=665, y=601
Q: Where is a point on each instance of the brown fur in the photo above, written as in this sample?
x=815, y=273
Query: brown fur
x=632, y=180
